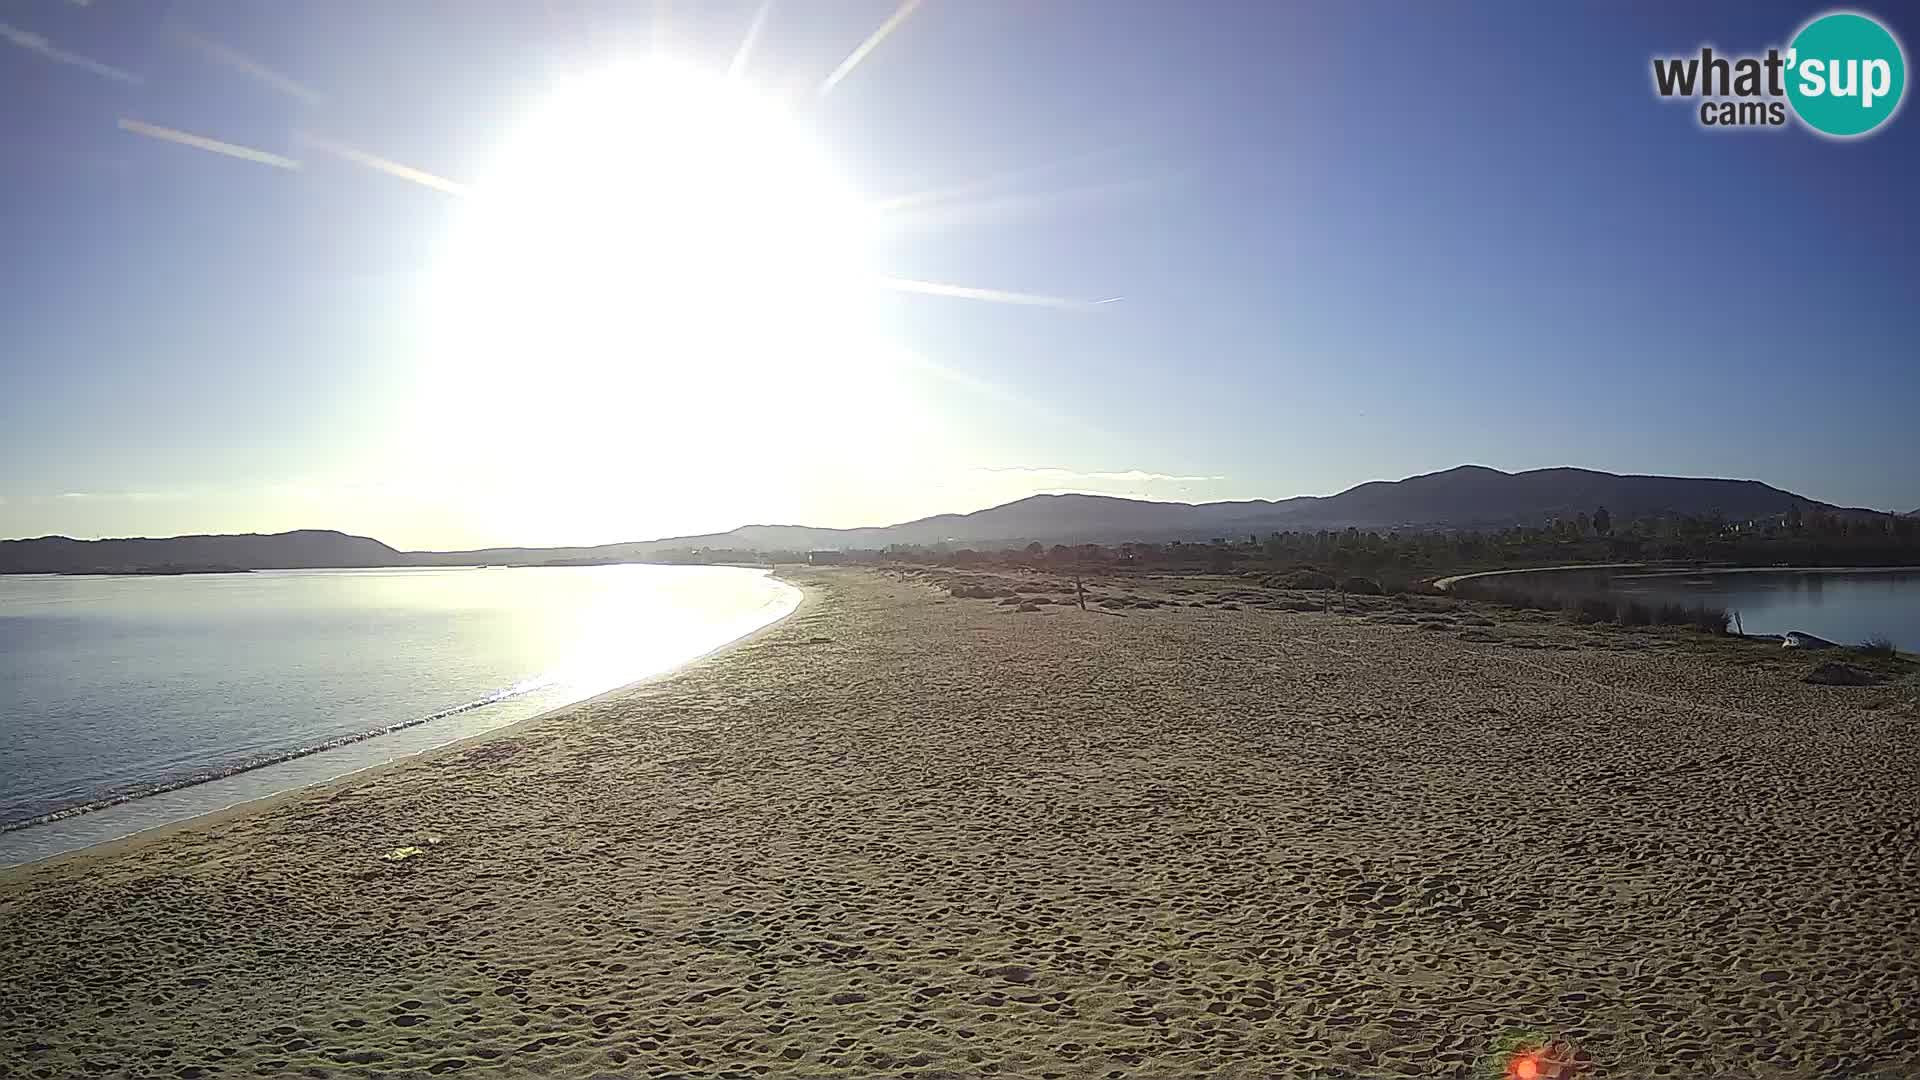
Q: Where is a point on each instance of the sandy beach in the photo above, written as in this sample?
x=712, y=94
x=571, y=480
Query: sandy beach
x=1184, y=833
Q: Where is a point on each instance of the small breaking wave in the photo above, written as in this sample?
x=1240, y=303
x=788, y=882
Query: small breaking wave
x=517, y=690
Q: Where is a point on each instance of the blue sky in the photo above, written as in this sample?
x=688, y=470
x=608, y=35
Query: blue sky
x=1351, y=242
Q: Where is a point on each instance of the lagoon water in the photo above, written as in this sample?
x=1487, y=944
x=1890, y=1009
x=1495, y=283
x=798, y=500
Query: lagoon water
x=1848, y=606
x=154, y=699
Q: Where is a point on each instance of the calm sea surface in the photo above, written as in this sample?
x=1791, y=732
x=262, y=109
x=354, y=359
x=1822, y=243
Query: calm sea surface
x=153, y=699
x=1847, y=606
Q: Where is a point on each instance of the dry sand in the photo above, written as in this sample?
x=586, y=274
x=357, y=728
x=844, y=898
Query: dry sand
x=902, y=832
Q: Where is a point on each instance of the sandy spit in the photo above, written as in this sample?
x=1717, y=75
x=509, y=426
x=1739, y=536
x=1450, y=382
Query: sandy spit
x=907, y=834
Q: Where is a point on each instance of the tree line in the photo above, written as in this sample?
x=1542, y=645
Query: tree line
x=1796, y=538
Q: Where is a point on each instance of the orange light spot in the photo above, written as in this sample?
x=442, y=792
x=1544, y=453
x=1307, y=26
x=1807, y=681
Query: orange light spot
x=1525, y=1067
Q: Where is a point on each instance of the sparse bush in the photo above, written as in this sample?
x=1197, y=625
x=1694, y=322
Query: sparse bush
x=1437, y=604
x=1361, y=586
x=1712, y=620
x=1595, y=609
x=1598, y=607
x=1879, y=645
x=1304, y=578
x=1833, y=674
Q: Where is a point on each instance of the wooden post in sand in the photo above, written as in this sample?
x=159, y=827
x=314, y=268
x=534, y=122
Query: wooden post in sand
x=1079, y=592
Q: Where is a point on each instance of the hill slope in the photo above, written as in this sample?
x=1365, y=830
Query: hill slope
x=251, y=551
x=1470, y=496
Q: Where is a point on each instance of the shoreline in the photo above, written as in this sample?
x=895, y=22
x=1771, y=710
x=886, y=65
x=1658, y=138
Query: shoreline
x=1199, y=828
x=1661, y=570
x=138, y=838
x=1447, y=583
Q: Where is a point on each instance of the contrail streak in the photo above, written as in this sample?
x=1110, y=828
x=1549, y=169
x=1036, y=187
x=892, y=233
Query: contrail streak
x=247, y=66
x=33, y=42
x=380, y=164
x=201, y=142
x=873, y=42
x=990, y=181
x=1002, y=394
x=1012, y=205
x=996, y=296
x=739, y=64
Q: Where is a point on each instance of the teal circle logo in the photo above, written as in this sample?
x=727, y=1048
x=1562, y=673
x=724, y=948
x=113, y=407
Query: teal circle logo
x=1846, y=74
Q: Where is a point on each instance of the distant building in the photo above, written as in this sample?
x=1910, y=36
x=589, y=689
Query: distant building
x=826, y=558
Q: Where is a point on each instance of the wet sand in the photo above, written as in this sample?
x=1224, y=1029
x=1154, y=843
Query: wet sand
x=908, y=833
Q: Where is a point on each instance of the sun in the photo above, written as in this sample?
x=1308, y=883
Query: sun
x=654, y=288
x=652, y=219
x=658, y=264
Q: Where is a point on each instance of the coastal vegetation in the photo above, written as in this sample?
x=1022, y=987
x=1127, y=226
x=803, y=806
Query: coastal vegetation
x=1370, y=562
x=1394, y=557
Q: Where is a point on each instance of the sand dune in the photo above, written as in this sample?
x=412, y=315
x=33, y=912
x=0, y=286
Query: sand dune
x=908, y=833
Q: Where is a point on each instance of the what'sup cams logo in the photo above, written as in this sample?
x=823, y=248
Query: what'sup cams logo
x=1843, y=75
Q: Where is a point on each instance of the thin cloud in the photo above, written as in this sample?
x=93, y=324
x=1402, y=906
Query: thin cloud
x=1073, y=476
x=247, y=66
x=201, y=142
x=38, y=43
x=996, y=296
x=128, y=496
x=1011, y=206
x=380, y=164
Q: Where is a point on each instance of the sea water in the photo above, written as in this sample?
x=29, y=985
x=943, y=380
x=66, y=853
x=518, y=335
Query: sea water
x=1847, y=606
x=131, y=702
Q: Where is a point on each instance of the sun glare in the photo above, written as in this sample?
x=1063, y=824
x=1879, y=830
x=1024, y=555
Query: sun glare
x=652, y=217
x=657, y=260
x=653, y=265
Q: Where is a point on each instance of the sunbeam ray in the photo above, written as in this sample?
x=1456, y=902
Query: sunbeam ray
x=995, y=296
x=873, y=42
x=246, y=66
x=201, y=142
x=998, y=393
x=739, y=65
x=380, y=164
x=662, y=18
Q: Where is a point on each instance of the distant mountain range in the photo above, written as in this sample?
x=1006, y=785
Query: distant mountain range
x=308, y=548
x=1470, y=496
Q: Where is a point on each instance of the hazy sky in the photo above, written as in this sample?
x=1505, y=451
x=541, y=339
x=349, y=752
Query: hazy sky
x=1349, y=241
